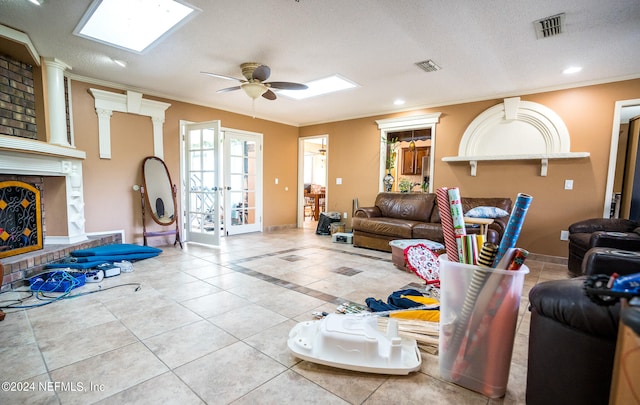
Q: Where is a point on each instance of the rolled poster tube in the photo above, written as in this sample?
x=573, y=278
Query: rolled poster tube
x=450, y=244
x=514, y=226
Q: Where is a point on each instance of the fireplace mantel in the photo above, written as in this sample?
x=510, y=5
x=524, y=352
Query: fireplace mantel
x=29, y=157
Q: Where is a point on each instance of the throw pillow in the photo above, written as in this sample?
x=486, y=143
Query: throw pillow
x=486, y=212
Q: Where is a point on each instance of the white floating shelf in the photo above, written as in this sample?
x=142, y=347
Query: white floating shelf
x=544, y=159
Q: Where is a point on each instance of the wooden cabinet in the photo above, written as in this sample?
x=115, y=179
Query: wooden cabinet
x=412, y=160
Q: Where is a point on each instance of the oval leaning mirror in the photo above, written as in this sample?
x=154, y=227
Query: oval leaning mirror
x=158, y=191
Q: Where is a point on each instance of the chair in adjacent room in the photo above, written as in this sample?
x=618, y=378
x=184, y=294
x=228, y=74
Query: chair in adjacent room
x=308, y=208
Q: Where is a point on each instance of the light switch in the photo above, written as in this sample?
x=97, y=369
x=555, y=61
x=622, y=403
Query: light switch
x=338, y=180
x=276, y=180
x=568, y=184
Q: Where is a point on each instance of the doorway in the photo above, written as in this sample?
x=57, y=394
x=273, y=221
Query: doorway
x=407, y=125
x=222, y=179
x=622, y=161
x=313, y=153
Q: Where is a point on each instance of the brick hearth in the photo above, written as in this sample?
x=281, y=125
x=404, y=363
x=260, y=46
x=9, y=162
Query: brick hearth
x=17, y=270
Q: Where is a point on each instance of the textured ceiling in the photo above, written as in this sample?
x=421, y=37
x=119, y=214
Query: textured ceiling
x=487, y=49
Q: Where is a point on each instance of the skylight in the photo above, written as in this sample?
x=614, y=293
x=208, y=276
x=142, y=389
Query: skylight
x=318, y=87
x=132, y=24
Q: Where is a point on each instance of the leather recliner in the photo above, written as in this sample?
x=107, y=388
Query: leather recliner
x=572, y=340
x=617, y=233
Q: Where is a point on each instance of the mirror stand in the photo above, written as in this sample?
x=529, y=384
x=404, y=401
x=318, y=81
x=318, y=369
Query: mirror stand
x=158, y=198
x=146, y=234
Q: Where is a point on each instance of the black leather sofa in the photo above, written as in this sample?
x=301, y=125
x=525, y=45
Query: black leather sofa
x=617, y=233
x=572, y=340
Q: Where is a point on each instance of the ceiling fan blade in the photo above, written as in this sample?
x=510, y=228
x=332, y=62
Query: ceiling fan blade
x=269, y=95
x=261, y=73
x=287, y=86
x=228, y=89
x=223, y=77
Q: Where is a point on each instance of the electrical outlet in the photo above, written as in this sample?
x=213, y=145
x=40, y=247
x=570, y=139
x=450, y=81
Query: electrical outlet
x=564, y=235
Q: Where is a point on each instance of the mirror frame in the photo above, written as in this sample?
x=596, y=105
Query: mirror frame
x=171, y=190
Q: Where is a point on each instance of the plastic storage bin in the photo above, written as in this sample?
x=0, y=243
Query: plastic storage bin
x=478, y=315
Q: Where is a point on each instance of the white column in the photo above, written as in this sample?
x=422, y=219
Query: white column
x=104, y=132
x=56, y=101
x=158, y=139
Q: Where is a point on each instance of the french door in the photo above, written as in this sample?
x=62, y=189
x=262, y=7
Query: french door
x=223, y=180
x=242, y=181
x=203, y=209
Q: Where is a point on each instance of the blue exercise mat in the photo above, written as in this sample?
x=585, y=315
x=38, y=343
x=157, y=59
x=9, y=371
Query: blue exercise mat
x=115, y=258
x=117, y=250
x=76, y=265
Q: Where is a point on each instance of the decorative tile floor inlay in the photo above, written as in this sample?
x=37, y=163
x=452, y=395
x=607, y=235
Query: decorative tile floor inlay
x=346, y=271
x=292, y=258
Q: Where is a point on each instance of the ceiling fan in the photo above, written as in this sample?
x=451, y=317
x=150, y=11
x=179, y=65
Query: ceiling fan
x=254, y=84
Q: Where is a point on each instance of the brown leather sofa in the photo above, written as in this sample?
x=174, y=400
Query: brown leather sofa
x=415, y=216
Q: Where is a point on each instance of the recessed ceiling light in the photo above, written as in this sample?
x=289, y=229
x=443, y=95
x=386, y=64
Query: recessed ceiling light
x=571, y=70
x=398, y=102
x=321, y=86
x=132, y=24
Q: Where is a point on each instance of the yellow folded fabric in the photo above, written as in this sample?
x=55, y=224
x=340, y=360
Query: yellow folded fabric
x=421, y=299
x=432, y=315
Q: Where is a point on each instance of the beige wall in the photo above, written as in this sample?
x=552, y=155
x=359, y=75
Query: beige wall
x=110, y=202
x=588, y=114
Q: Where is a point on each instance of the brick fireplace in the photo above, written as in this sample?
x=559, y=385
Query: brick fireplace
x=29, y=159
x=37, y=146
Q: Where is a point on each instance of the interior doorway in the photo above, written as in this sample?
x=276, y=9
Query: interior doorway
x=313, y=153
x=408, y=157
x=425, y=125
x=622, y=161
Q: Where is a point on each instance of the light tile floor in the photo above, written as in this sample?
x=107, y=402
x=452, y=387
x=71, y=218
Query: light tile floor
x=210, y=325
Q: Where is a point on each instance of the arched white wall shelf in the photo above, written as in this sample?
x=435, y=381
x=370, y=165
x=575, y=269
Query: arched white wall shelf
x=515, y=130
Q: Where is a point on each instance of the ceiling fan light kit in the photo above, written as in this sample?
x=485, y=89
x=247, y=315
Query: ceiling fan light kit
x=254, y=90
x=254, y=84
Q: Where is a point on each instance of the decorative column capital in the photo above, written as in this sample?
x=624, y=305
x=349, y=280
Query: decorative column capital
x=56, y=63
x=103, y=113
x=157, y=120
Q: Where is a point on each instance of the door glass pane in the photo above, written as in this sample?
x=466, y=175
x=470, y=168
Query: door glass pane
x=194, y=140
x=195, y=181
x=196, y=162
x=208, y=181
x=208, y=139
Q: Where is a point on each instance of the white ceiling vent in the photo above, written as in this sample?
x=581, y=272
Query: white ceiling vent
x=428, y=66
x=549, y=26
